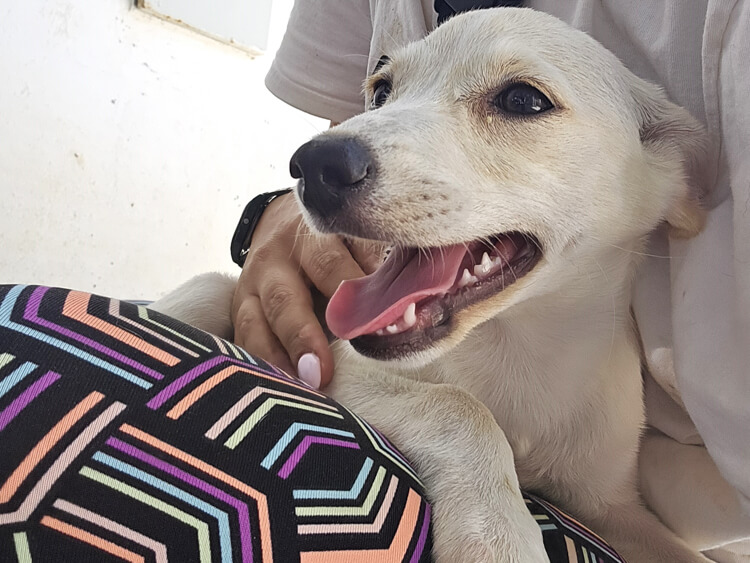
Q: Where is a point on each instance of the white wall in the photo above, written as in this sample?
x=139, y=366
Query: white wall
x=129, y=145
x=242, y=22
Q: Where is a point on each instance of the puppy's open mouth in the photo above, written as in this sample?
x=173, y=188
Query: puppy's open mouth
x=408, y=303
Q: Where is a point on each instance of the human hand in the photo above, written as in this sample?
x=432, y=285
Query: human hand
x=272, y=310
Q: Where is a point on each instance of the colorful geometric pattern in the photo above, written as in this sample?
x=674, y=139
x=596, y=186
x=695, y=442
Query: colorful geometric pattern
x=567, y=540
x=129, y=436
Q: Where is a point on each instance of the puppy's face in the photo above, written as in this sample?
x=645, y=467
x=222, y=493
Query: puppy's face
x=499, y=151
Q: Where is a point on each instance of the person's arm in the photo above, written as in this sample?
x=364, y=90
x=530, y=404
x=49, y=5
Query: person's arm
x=273, y=313
x=319, y=69
x=323, y=59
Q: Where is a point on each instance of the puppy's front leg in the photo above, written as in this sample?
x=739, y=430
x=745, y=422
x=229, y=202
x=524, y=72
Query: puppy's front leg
x=464, y=459
x=204, y=302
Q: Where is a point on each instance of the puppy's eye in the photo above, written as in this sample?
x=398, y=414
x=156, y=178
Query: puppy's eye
x=381, y=93
x=522, y=99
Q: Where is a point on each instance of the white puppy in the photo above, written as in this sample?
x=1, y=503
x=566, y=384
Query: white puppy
x=516, y=167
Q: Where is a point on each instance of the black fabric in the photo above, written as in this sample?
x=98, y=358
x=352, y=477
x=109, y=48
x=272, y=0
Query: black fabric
x=447, y=8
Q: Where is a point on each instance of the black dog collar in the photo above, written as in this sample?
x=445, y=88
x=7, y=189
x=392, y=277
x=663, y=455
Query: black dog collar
x=447, y=8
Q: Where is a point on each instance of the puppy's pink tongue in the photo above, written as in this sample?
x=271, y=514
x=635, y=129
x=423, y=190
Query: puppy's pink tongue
x=367, y=304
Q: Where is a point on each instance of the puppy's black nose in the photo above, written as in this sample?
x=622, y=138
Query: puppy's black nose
x=331, y=169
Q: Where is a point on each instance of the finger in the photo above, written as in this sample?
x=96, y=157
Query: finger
x=327, y=262
x=288, y=308
x=321, y=352
x=253, y=333
x=308, y=369
x=369, y=254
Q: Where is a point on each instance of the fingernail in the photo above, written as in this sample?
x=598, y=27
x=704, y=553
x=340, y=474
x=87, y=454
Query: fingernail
x=308, y=369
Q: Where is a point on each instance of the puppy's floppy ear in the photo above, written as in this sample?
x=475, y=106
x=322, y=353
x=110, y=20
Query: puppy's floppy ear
x=672, y=135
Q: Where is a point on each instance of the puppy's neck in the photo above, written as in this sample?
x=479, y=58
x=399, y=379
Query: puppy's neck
x=555, y=348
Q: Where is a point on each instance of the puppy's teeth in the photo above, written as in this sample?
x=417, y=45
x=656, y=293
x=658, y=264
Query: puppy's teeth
x=485, y=267
x=497, y=261
x=392, y=329
x=410, y=315
x=380, y=332
x=467, y=279
x=486, y=262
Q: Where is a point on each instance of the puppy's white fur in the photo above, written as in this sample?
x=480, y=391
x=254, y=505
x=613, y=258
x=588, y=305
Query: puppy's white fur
x=538, y=387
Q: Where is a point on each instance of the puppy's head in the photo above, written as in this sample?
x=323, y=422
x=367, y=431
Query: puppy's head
x=498, y=151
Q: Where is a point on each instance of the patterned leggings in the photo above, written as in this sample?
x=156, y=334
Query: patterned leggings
x=128, y=436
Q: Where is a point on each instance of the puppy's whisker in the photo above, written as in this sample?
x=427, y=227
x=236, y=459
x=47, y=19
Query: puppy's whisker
x=614, y=313
x=637, y=253
x=432, y=262
x=533, y=241
x=631, y=251
x=299, y=237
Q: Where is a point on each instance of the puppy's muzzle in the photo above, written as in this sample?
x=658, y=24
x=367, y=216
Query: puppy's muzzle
x=333, y=171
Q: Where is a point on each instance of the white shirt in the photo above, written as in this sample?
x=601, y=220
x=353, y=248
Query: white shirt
x=692, y=299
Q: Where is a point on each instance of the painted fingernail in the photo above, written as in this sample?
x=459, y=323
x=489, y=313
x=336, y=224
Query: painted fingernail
x=308, y=369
